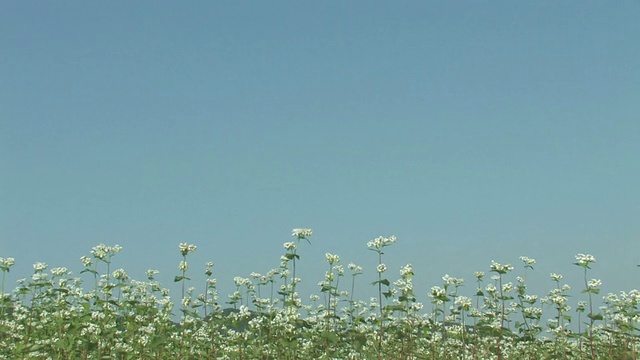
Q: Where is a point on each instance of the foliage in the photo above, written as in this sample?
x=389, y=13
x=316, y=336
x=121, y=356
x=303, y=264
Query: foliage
x=52, y=316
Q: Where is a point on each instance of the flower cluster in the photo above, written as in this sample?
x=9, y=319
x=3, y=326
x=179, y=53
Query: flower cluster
x=104, y=252
x=186, y=248
x=500, y=269
x=380, y=242
x=332, y=258
x=301, y=233
x=6, y=263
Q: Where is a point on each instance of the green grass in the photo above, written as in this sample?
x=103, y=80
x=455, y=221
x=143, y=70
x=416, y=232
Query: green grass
x=54, y=315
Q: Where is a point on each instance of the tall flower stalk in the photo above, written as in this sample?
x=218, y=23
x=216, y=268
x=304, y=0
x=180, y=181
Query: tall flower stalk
x=591, y=288
x=501, y=270
x=377, y=245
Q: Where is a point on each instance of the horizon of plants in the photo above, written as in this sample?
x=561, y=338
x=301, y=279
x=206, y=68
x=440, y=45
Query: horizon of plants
x=54, y=315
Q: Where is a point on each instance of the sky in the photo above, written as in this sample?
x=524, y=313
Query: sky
x=471, y=130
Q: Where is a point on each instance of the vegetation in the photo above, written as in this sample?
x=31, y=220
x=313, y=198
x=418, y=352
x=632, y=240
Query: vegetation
x=53, y=316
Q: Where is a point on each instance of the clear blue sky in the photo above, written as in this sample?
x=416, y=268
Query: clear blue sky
x=471, y=130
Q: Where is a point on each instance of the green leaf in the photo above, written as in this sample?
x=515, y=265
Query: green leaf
x=178, y=278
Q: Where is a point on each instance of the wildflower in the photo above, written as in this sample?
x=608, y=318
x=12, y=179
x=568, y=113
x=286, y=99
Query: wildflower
x=59, y=271
x=186, y=248
x=329, y=276
x=381, y=268
x=406, y=271
x=479, y=275
x=120, y=274
x=151, y=273
x=208, y=267
x=380, y=242
x=301, y=233
x=528, y=262
x=404, y=285
x=183, y=266
x=556, y=277
x=103, y=251
x=449, y=280
x=99, y=251
x=355, y=269
x=40, y=266
x=331, y=258
x=584, y=260
x=507, y=287
x=464, y=302
x=582, y=305
x=491, y=289
x=289, y=246
x=86, y=261
x=594, y=283
x=438, y=295
x=5, y=264
x=500, y=269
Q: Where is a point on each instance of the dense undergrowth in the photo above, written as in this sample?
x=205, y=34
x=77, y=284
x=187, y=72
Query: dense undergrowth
x=55, y=315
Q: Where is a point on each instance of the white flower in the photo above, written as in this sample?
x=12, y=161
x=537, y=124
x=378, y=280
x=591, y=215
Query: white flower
x=438, y=294
x=151, y=273
x=594, y=283
x=5, y=264
x=39, y=266
x=585, y=259
x=507, y=287
x=301, y=233
x=59, y=271
x=464, y=302
x=406, y=271
x=556, y=277
x=527, y=261
x=120, y=274
x=380, y=242
x=103, y=251
x=331, y=258
x=381, y=268
x=183, y=266
x=449, y=280
x=186, y=248
x=354, y=268
x=500, y=269
x=289, y=246
x=86, y=261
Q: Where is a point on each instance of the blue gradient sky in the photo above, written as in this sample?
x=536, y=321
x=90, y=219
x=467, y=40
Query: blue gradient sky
x=471, y=130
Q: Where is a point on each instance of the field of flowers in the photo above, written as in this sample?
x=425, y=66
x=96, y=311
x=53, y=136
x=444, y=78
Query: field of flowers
x=105, y=314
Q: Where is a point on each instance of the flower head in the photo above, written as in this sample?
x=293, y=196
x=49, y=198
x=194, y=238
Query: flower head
x=528, y=262
x=500, y=269
x=331, y=258
x=301, y=233
x=183, y=266
x=378, y=243
x=584, y=260
x=186, y=248
x=6, y=263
